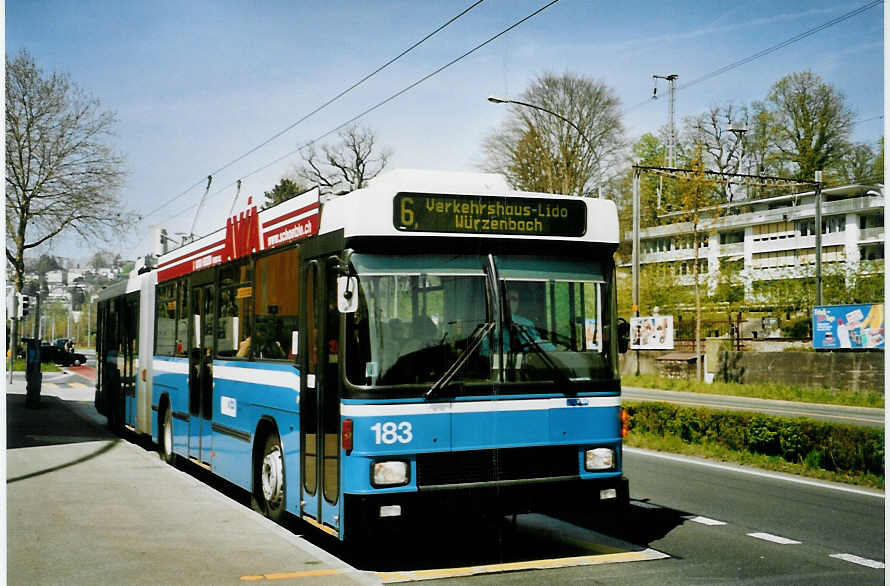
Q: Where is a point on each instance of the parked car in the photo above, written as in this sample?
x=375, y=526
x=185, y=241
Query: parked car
x=53, y=353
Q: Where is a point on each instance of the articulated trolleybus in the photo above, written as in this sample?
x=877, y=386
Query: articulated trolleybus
x=432, y=342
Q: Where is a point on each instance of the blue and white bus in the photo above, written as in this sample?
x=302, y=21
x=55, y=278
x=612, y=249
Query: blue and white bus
x=434, y=341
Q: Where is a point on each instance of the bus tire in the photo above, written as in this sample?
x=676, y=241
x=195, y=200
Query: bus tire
x=268, y=495
x=165, y=437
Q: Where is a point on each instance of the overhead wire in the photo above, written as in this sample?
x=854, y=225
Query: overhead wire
x=767, y=51
x=760, y=54
x=319, y=108
x=382, y=102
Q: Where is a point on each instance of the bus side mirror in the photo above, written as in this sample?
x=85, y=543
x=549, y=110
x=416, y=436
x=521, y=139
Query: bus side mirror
x=623, y=335
x=347, y=294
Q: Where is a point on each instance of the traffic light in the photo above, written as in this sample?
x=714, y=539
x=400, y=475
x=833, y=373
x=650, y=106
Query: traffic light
x=24, y=305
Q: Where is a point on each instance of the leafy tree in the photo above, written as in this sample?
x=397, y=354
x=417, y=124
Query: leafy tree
x=730, y=286
x=855, y=165
x=537, y=151
x=811, y=122
x=347, y=165
x=698, y=197
x=285, y=190
x=877, y=171
x=46, y=263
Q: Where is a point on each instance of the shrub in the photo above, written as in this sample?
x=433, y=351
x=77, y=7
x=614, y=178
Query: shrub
x=829, y=446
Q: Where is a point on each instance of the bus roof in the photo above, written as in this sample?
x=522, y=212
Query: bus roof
x=248, y=232
x=461, y=205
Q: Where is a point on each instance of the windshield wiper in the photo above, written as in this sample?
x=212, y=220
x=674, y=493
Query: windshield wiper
x=474, y=341
x=559, y=375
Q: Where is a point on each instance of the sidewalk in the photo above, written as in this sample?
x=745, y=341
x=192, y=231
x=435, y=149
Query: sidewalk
x=87, y=507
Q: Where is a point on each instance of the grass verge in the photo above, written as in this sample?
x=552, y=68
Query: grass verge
x=759, y=391
x=19, y=366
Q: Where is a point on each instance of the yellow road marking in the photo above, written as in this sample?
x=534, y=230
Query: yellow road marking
x=420, y=575
x=290, y=575
x=588, y=560
x=324, y=528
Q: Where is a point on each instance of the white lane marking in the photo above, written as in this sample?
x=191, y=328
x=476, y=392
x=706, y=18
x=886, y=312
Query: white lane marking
x=760, y=473
x=849, y=557
x=644, y=505
x=773, y=538
x=704, y=520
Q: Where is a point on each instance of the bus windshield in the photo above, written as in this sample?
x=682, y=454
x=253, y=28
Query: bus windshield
x=425, y=319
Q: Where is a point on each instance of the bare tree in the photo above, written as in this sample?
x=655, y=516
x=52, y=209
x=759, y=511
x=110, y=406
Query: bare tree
x=60, y=174
x=538, y=151
x=347, y=165
x=722, y=150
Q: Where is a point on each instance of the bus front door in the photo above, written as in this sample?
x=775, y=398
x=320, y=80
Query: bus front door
x=201, y=375
x=320, y=402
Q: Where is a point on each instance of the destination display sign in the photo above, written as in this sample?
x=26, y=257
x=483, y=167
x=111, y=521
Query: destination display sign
x=476, y=214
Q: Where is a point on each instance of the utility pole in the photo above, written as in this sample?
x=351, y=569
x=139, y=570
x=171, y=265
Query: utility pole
x=818, y=237
x=672, y=129
x=636, y=253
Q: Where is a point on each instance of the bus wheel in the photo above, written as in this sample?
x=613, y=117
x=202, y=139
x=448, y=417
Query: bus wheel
x=165, y=437
x=268, y=491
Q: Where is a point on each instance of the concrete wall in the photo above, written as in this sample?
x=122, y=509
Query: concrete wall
x=855, y=371
x=836, y=370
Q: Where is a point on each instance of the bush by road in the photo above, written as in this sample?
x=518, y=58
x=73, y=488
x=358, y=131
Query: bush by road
x=829, y=450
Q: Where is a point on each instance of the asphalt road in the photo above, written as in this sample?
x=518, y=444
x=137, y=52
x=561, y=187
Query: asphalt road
x=690, y=522
x=836, y=413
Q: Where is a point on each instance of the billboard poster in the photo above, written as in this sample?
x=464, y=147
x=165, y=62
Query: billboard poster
x=652, y=333
x=848, y=326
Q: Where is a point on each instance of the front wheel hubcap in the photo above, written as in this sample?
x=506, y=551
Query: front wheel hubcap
x=273, y=477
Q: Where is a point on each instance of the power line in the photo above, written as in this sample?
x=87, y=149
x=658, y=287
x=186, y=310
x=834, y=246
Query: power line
x=868, y=119
x=783, y=44
x=768, y=50
x=321, y=107
x=382, y=102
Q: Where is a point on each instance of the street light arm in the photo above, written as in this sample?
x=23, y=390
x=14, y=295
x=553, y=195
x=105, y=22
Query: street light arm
x=497, y=100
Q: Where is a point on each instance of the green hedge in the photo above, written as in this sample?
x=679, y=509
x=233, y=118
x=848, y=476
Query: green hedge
x=830, y=446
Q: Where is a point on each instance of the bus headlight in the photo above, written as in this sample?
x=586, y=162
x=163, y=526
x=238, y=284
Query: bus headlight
x=599, y=459
x=391, y=473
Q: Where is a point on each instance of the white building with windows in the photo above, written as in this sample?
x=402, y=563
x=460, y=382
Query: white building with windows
x=772, y=238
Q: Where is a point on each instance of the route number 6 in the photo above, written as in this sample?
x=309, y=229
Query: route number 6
x=390, y=432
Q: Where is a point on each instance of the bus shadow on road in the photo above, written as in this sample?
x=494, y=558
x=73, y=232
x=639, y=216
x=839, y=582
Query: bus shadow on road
x=508, y=543
x=640, y=523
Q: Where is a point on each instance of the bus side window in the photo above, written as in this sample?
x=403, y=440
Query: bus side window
x=235, y=304
x=276, y=305
x=165, y=337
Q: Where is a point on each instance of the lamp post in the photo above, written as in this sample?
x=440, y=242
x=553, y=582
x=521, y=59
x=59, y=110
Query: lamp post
x=497, y=100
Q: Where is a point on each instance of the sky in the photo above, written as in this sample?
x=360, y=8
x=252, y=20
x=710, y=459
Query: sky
x=195, y=85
